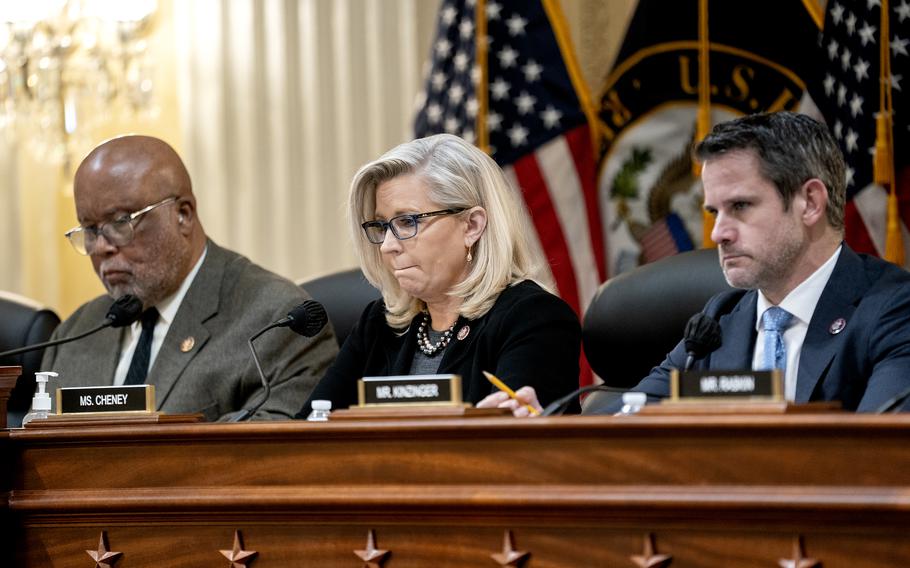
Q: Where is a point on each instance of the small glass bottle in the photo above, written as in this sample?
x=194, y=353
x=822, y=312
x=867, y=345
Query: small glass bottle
x=41, y=402
x=321, y=411
x=632, y=403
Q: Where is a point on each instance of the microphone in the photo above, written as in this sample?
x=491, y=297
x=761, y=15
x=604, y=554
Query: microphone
x=559, y=405
x=307, y=320
x=125, y=310
x=702, y=336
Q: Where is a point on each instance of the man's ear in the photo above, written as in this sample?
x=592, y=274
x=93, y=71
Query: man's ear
x=476, y=225
x=186, y=216
x=815, y=194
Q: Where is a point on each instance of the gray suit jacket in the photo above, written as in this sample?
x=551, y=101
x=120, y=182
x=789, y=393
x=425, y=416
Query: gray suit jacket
x=230, y=299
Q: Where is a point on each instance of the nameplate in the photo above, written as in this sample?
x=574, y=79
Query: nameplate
x=126, y=398
x=410, y=390
x=726, y=385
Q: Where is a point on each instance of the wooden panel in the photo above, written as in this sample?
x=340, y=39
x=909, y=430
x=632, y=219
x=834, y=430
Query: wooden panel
x=8, y=378
x=574, y=491
x=440, y=547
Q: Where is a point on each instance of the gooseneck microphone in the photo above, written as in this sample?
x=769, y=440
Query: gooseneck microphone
x=559, y=405
x=125, y=310
x=307, y=320
x=702, y=336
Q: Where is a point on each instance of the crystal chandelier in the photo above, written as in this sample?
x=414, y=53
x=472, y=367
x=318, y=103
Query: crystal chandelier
x=67, y=66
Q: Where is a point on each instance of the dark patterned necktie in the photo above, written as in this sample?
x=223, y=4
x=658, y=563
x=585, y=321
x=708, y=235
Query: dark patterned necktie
x=139, y=366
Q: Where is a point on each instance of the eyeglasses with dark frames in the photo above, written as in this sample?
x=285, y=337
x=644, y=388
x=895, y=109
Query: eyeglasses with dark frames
x=402, y=226
x=119, y=232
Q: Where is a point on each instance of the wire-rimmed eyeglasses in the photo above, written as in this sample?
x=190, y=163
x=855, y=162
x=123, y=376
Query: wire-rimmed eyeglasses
x=119, y=232
x=403, y=226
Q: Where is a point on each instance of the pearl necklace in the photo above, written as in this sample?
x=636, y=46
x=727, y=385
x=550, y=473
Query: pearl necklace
x=423, y=341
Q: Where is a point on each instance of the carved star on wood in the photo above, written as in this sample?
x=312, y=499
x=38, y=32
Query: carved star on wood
x=649, y=557
x=238, y=557
x=372, y=557
x=509, y=556
x=103, y=557
x=799, y=559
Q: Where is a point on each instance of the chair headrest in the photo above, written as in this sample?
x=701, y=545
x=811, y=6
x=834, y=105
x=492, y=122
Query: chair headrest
x=637, y=317
x=23, y=322
x=344, y=294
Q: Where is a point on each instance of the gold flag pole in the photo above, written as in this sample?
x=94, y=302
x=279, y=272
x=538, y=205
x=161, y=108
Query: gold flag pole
x=480, y=37
x=883, y=162
x=703, y=117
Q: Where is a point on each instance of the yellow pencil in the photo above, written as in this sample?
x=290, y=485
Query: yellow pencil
x=505, y=388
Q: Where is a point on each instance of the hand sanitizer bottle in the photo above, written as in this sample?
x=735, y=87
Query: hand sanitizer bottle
x=321, y=410
x=41, y=402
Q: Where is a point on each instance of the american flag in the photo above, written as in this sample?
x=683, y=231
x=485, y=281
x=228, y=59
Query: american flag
x=664, y=239
x=847, y=93
x=534, y=120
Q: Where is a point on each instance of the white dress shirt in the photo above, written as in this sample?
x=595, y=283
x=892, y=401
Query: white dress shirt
x=800, y=302
x=167, y=311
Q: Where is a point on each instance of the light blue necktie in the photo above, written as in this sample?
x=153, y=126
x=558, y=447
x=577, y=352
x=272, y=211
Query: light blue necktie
x=774, y=322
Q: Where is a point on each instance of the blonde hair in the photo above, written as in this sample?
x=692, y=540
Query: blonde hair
x=457, y=175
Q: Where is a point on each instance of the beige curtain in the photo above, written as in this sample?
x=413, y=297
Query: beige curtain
x=280, y=102
x=273, y=104
x=10, y=237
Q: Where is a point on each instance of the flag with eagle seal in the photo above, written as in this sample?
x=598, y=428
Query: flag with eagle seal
x=759, y=54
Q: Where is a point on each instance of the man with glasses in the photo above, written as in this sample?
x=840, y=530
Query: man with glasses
x=139, y=226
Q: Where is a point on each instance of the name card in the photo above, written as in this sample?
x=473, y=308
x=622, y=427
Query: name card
x=126, y=398
x=410, y=390
x=726, y=385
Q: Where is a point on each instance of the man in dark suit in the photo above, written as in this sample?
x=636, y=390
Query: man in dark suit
x=836, y=322
x=775, y=184
x=201, y=302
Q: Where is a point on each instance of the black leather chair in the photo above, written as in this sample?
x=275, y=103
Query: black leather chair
x=344, y=294
x=23, y=322
x=636, y=318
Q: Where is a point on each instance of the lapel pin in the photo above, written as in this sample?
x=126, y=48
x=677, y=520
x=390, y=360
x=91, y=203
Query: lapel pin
x=463, y=332
x=837, y=326
x=187, y=344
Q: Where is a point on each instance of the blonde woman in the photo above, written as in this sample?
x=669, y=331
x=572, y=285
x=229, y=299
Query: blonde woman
x=441, y=234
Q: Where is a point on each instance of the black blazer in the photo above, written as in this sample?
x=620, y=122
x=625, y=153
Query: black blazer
x=529, y=337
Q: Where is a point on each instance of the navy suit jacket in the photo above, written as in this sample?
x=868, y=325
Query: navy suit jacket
x=863, y=366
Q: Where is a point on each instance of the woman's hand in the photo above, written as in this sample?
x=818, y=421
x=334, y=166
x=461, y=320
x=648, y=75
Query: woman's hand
x=526, y=395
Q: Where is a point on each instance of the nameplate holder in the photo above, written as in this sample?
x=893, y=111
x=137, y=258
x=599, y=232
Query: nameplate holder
x=720, y=385
x=103, y=400
x=410, y=390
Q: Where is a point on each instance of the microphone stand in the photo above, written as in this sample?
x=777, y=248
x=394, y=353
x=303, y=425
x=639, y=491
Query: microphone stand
x=559, y=405
x=28, y=348
x=248, y=412
x=306, y=320
x=124, y=311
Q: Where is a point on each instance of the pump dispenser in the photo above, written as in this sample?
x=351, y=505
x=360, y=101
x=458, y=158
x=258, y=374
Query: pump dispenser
x=41, y=402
